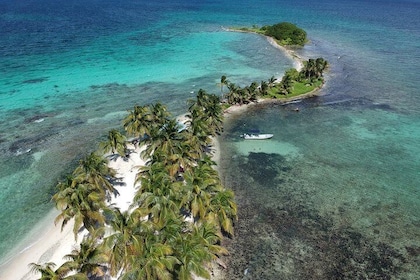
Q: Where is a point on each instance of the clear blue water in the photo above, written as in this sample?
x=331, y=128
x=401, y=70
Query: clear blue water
x=345, y=170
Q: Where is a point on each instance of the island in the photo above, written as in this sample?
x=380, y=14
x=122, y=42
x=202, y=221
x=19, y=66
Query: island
x=148, y=203
x=285, y=33
x=295, y=83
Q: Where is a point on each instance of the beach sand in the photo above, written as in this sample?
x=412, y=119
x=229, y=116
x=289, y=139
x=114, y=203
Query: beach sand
x=53, y=244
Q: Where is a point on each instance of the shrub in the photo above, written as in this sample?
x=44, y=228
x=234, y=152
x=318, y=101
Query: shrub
x=286, y=33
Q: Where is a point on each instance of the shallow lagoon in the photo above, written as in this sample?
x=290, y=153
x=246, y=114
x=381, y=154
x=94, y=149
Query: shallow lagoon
x=325, y=198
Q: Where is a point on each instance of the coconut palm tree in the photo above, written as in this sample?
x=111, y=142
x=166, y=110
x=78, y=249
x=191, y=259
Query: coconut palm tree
x=320, y=66
x=253, y=86
x=158, y=197
x=223, y=210
x=154, y=261
x=271, y=81
x=198, y=138
x=208, y=234
x=194, y=249
x=47, y=271
x=165, y=138
x=214, y=114
x=309, y=70
x=160, y=115
x=115, y=142
x=124, y=243
x=200, y=184
x=183, y=158
x=242, y=96
x=223, y=81
x=263, y=88
x=94, y=169
x=157, y=206
x=206, y=119
x=83, y=203
x=89, y=260
x=286, y=84
x=232, y=96
x=139, y=121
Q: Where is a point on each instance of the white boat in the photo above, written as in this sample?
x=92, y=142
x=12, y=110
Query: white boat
x=256, y=136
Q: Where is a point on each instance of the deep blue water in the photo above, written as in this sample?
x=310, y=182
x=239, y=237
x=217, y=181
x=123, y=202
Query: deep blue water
x=343, y=171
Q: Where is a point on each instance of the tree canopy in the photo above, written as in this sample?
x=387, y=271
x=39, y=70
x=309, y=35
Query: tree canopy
x=293, y=83
x=286, y=33
x=152, y=240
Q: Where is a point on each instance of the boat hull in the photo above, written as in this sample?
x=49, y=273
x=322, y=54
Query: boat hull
x=256, y=136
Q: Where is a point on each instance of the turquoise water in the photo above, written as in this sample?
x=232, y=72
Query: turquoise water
x=329, y=188
x=337, y=195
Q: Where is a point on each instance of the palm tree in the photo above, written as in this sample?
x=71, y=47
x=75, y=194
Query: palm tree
x=271, y=81
x=115, y=142
x=94, y=169
x=193, y=250
x=89, y=260
x=158, y=197
x=165, y=138
x=200, y=184
x=309, y=69
x=232, y=96
x=264, y=87
x=286, y=84
x=198, y=130
x=320, y=66
x=223, y=81
x=157, y=206
x=138, y=121
x=155, y=261
x=83, y=203
x=182, y=158
x=242, y=96
x=160, y=115
x=208, y=234
x=251, y=93
x=253, y=86
x=47, y=271
x=223, y=210
x=214, y=115
x=124, y=243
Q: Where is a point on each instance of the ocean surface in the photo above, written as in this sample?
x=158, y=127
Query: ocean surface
x=335, y=194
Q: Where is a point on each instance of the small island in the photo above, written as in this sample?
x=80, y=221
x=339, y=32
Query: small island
x=285, y=33
x=294, y=83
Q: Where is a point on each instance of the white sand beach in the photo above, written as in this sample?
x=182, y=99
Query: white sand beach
x=53, y=244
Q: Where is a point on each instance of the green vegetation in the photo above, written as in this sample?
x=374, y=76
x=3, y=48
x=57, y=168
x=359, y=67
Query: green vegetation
x=285, y=33
x=153, y=240
x=293, y=83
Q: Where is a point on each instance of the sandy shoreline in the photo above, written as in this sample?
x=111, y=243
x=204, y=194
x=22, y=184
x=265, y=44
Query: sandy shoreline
x=298, y=61
x=54, y=244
